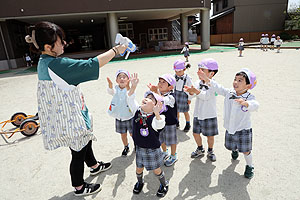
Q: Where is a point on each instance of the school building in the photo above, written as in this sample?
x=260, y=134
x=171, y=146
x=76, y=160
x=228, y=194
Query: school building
x=91, y=25
x=233, y=19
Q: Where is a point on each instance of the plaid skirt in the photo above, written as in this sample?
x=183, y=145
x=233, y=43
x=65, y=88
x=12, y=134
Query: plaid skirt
x=149, y=158
x=208, y=127
x=124, y=126
x=168, y=135
x=240, y=140
x=181, y=100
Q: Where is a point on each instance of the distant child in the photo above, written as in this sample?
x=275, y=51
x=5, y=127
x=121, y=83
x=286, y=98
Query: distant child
x=205, y=113
x=261, y=41
x=147, y=124
x=278, y=43
x=186, y=51
x=168, y=136
x=265, y=42
x=241, y=47
x=238, y=104
x=273, y=38
x=182, y=98
x=119, y=107
x=28, y=60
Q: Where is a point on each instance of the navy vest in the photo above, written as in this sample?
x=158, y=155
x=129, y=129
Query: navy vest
x=171, y=113
x=150, y=141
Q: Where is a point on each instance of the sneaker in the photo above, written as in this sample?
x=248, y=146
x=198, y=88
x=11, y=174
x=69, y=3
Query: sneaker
x=177, y=125
x=234, y=155
x=125, y=151
x=88, y=189
x=211, y=156
x=162, y=190
x=197, y=153
x=249, y=172
x=171, y=160
x=187, y=127
x=166, y=155
x=138, y=187
x=101, y=168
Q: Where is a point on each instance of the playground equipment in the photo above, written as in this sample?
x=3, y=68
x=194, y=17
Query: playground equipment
x=26, y=124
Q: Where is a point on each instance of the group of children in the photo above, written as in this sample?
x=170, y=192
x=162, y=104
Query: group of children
x=274, y=41
x=153, y=124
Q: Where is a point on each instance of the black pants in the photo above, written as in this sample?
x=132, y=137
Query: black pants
x=77, y=163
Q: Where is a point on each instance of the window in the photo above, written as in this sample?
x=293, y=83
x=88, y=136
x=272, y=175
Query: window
x=225, y=3
x=126, y=30
x=158, y=34
x=217, y=7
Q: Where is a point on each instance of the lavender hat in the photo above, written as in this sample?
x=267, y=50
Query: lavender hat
x=209, y=64
x=179, y=65
x=186, y=43
x=241, y=39
x=251, y=77
x=273, y=35
x=122, y=71
x=158, y=98
x=169, y=78
x=262, y=35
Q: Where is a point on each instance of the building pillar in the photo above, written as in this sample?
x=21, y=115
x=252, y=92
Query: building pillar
x=205, y=29
x=113, y=28
x=184, y=28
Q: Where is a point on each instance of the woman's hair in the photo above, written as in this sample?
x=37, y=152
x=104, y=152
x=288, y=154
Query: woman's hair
x=44, y=33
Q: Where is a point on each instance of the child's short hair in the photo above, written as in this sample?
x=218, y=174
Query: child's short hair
x=243, y=74
x=188, y=65
x=216, y=71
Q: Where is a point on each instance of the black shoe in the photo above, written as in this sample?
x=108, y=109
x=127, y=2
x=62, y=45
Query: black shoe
x=234, y=155
x=102, y=167
x=249, y=172
x=187, y=128
x=125, y=151
x=162, y=190
x=177, y=125
x=138, y=187
x=88, y=189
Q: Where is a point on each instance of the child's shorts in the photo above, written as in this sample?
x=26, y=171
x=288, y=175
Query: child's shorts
x=240, y=140
x=181, y=100
x=149, y=158
x=168, y=135
x=208, y=127
x=240, y=48
x=124, y=126
x=277, y=46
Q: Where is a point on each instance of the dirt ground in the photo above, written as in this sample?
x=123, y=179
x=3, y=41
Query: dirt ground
x=28, y=171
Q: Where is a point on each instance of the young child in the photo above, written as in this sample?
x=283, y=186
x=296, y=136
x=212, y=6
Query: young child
x=182, y=98
x=63, y=114
x=241, y=47
x=238, y=104
x=186, y=51
x=147, y=125
x=119, y=108
x=205, y=113
x=168, y=136
x=273, y=38
x=28, y=60
x=261, y=41
x=265, y=42
x=278, y=43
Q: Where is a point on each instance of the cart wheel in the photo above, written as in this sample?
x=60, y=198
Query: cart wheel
x=18, y=118
x=30, y=127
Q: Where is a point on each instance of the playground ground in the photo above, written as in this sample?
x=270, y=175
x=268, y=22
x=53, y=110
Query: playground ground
x=28, y=171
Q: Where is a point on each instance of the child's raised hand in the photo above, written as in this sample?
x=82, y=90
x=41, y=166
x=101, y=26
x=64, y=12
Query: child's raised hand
x=189, y=102
x=157, y=108
x=134, y=79
x=110, y=84
x=202, y=76
x=242, y=102
x=153, y=88
x=188, y=89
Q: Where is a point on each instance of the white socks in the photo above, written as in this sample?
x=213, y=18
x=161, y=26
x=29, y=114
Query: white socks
x=248, y=159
